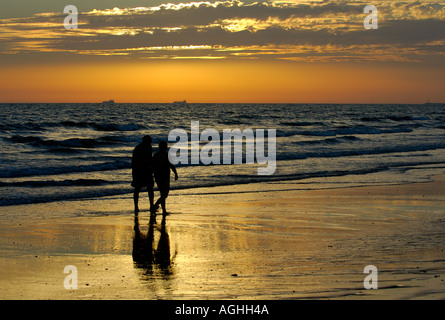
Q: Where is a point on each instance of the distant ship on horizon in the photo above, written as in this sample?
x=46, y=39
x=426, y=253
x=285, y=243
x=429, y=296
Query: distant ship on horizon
x=108, y=103
x=428, y=103
x=180, y=103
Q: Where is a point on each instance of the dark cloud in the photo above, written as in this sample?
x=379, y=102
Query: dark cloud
x=414, y=27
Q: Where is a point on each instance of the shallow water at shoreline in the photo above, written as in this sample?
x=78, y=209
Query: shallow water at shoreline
x=272, y=245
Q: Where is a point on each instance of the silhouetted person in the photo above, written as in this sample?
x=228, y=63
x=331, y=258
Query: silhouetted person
x=142, y=171
x=161, y=168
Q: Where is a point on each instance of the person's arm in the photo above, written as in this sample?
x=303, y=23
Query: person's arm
x=173, y=168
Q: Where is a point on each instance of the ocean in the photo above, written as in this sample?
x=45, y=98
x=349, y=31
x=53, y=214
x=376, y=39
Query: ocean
x=69, y=152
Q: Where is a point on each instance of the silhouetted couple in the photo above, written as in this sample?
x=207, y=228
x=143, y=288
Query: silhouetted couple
x=144, y=166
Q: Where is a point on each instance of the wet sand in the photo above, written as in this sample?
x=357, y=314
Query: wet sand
x=290, y=244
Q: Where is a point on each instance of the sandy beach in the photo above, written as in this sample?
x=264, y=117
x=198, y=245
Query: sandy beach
x=237, y=242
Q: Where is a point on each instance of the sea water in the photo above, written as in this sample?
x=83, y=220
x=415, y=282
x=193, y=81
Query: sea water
x=54, y=152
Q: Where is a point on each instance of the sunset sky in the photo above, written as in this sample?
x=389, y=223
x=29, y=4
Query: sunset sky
x=223, y=51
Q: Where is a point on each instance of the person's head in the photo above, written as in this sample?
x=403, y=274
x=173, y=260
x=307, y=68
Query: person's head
x=146, y=139
x=162, y=146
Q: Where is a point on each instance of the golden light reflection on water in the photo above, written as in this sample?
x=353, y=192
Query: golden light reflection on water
x=260, y=247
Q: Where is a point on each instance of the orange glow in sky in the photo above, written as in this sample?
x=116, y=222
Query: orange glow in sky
x=219, y=81
x=227, y=51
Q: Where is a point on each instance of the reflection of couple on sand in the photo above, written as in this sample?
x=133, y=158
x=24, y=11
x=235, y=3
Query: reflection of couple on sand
x=145, y=255
x=144, y=166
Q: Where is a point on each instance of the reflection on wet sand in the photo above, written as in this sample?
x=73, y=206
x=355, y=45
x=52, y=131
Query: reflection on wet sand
x=148, y=256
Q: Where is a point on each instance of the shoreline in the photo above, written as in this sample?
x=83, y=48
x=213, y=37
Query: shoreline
x=291, y=244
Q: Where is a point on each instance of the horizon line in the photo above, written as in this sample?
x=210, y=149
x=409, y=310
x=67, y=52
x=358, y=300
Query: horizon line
x=172, y=102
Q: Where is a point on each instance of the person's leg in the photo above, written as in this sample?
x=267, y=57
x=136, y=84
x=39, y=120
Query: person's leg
x=136, y=199
x=164, y=211
x=151, y=197
x=164, y=195
x=156, y=205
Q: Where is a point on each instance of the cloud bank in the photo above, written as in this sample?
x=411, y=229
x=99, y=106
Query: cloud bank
x=408, y=31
